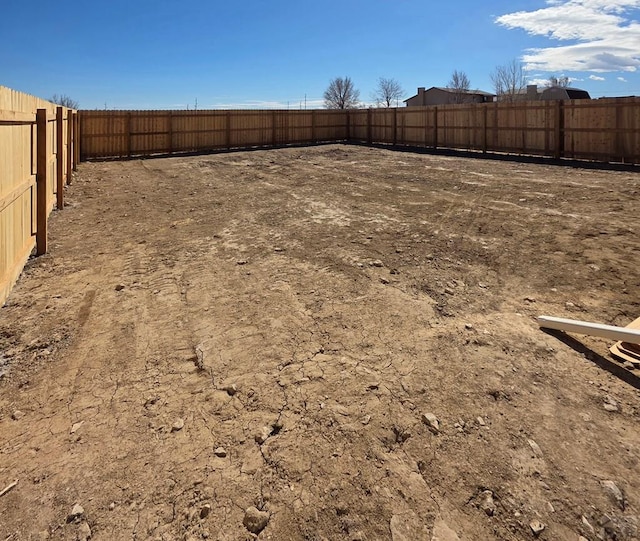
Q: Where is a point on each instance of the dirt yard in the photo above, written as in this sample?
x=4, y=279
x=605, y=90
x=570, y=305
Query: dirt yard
x=341, y=337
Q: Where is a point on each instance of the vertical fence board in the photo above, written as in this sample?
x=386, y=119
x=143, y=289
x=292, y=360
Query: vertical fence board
x=59, y=158
x=69, y=130
x=42, y=207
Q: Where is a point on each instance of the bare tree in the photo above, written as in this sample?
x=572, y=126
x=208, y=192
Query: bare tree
x=460, y=85
x=509, y=81
x=562, y=81
x=387, y=92
x=341, y=94
x=64, y=100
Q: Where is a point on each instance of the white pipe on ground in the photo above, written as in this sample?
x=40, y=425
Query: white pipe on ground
x=623, y=334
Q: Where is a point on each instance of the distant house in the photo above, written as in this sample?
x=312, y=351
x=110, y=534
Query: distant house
x=533, y=93
x=437, y=95
x=564, y=93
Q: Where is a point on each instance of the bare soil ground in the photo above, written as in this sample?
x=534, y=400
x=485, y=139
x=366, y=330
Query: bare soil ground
x=275, y=329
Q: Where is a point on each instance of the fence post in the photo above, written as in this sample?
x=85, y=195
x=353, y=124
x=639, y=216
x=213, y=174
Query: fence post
x=559, y=132
x=435, y=127
x=495, y=125
x=395, y=126
x=128, y=133
x=313, y=126
x=41, y=181
x=523, y=132
x=76, y=141
x=348, y=134
x=287, y=135
x=274, y=131
x=619, y=147
x=59, y=158
x=547, y=127
x=369, y=127
x=484, y=128
x=228, y=129
x=69, y=147
x=170, y=130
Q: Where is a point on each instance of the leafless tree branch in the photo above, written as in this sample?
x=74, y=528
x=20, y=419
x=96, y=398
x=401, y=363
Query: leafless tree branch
x=460, y=85
x=341, y=94
x=508, y=81
x=387, y=93
x=64, y=100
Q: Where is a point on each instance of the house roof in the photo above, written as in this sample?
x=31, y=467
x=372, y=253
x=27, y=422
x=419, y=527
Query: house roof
x=455, y=91
x=577, y=94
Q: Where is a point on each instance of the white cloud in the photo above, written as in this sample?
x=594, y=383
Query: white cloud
x=596, y=78
x=602, y=36
x=538, y=81
x=622, y=79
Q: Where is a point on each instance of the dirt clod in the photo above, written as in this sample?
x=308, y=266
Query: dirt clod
x=231, y=390
x=84, y=532
x=255, y=520
x=205, y=510
x=537, y=527
x=77, y=513
x=615, y=493
x=487, y=503
x=263, y=434
x=431, y=421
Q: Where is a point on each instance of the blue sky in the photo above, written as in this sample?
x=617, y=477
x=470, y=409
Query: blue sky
x=140, y=54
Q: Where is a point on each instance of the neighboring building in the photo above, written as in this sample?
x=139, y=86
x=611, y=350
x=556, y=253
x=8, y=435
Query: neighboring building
x=533, y=93
x=445, y=96
x=564, y=93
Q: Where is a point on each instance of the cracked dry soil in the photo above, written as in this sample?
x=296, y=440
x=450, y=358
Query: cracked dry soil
x=270, y=328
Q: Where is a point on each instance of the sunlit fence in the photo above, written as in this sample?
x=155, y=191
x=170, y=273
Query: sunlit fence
x=605, y=130
x=119, y=134
x=37, y=155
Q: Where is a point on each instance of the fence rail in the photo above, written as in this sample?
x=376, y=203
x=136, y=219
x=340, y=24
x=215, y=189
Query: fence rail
x=36, y=159
x=605, y=130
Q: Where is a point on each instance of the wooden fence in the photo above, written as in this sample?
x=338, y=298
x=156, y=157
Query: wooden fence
x=37, y=154
x=605, y=130
x=142, y=133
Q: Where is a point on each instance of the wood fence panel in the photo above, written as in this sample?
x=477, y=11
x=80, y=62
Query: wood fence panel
x=602, y=130
x=629, y=143
x=18, y=168
x=131, y=133
x=331, y=125
x=536, y=128
x=358, y=125
x=382, y=129
x=414, y=126
x=279, y=127
x=300, y=126
x=324, y=125
x=605, y=131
